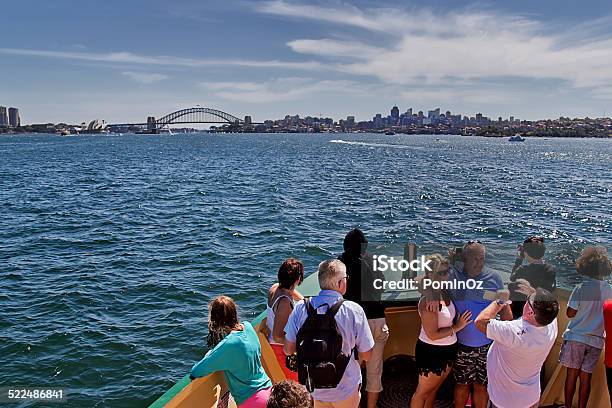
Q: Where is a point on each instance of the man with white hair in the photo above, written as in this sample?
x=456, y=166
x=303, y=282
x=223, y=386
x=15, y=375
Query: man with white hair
x=350, y=323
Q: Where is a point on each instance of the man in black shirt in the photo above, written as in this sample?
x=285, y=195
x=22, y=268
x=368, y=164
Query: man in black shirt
x=537, y=272
x=360, y=289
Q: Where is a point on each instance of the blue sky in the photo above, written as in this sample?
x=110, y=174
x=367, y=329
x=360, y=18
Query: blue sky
x=121, y=61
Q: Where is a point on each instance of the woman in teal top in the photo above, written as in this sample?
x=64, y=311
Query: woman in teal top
x=235, y=350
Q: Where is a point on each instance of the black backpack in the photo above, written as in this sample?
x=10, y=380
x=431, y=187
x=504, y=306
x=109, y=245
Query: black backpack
x=320, y=361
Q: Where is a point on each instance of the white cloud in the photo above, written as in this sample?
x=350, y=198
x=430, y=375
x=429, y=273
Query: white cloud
x=430, y=48
x=236, y=86
x=144, y=77
x=278, y=90
x=335, y=48
x=131, y=58
x=391, y=20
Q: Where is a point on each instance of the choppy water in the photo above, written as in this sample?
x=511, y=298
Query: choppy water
x=111, y=246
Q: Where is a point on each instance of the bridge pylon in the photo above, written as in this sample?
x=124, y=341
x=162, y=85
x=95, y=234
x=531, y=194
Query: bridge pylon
x=151, y=125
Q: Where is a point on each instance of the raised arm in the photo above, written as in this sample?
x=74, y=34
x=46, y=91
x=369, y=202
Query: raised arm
x=520, y=257
x=488, y=314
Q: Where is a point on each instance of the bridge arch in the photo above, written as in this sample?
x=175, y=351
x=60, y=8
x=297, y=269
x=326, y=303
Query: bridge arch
x=197, y=115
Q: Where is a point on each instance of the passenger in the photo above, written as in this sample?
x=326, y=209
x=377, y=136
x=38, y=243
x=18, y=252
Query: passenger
x=583, y=339
x=537, y=272
x=234, y=349
x=470, y=367
x=310, y=319
x=289, y=394
x=519, y=348
x=281, y=299
x=607, y=314
x=436, y=348
x=360, y=289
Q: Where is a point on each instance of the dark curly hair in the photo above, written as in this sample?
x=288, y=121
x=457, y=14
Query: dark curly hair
x=289, y=394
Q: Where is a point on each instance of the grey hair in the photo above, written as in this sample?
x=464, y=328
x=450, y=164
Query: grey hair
x=331, y=272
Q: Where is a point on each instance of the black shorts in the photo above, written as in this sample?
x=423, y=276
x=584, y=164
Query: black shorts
x=471, y=365
x=434, y=359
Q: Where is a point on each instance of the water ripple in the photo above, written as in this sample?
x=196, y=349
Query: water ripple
x=113, y=246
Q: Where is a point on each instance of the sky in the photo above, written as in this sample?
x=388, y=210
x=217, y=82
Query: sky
x=121, y=61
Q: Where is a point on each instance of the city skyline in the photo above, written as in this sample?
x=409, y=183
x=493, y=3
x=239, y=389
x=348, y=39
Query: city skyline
x=11, y=117
x=410, y=121
x=267, y=59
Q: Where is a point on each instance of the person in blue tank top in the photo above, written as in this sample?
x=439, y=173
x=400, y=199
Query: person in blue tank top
x=235, y=350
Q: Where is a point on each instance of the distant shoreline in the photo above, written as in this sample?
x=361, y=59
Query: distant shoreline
x=533, y=136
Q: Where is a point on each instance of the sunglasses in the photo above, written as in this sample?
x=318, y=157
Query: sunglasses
x=530, y=304
x=443, y=272
x=534, y=239
x=472, y=242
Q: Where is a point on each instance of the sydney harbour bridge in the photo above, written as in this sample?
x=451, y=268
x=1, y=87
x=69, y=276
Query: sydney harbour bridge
x=195, y=115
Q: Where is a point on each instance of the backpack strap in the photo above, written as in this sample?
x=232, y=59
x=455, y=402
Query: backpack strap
x=334, y=309
x=309, y=308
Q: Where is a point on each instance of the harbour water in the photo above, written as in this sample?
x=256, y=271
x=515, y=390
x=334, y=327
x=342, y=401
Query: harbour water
x=111, y=246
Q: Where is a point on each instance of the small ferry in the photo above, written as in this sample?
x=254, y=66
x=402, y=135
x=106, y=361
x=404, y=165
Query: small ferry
x=517, y=138
x=399, y=371
x=389, y=133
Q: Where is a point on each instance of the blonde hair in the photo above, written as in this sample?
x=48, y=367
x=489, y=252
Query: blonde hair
x=436, y=261
x=331, y=272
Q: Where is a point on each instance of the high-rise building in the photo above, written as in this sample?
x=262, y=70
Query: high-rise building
x=511, y=119
x=409, y=112
x=377, y=120
x=13, y=117
x=350, y=121
x=3, y=117
x=395, y=112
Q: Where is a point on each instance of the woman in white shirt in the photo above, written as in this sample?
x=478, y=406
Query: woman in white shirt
x=436, y=347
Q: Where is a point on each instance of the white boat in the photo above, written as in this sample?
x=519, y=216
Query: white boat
x=516, y=138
